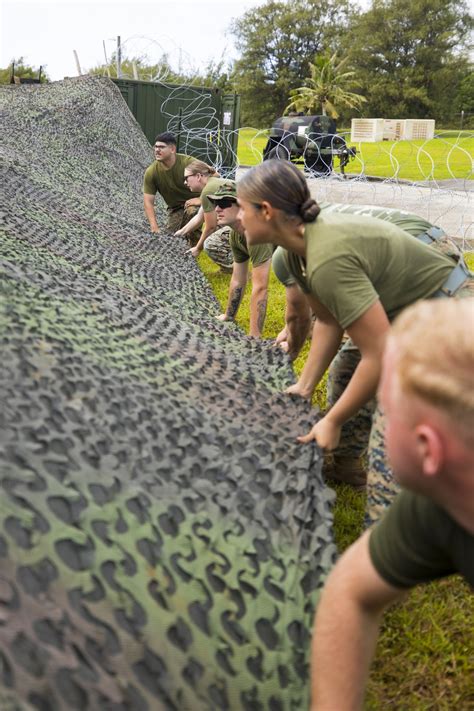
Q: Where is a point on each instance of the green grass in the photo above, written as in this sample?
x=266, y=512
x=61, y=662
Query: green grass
x=425, y=650
x=445, y=157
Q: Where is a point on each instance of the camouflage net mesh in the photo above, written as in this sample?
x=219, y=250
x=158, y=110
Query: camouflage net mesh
x=162, y=535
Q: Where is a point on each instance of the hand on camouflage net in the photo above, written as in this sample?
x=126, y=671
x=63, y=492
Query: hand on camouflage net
x=282, y=340
x=282, y=337
x=298, y=389
x=180, y=233
x=154, y=230
x=195, y=251
x=283, y=345
x=223, y=317
x=325, y=433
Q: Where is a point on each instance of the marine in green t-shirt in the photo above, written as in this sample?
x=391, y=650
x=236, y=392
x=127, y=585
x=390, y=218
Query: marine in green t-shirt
x=413, y=224
x=428, y=531
x=290, y=269
x=368, y=260
x=227, y=209
x=166, y=177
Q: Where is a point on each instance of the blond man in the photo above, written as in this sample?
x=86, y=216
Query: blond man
x=427, y=394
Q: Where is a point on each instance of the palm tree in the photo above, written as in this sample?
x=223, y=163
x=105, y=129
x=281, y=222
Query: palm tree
x=326, y=87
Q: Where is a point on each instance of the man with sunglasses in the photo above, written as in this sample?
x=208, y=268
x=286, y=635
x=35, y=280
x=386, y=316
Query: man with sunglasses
x=227, y=211
x=166, y=176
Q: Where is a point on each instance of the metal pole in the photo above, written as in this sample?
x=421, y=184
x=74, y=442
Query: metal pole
x=180, y=116
x=78, y=66
x=119, y=58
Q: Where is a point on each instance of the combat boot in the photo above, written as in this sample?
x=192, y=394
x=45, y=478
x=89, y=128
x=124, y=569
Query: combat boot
x=345, y=470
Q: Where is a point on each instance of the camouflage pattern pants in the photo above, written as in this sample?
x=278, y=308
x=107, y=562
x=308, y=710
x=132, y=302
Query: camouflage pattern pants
x=364, y=433
x=217, y=247
x=177, y=217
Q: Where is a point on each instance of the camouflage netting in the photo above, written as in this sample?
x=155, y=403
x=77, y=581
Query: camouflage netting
x=162, y=535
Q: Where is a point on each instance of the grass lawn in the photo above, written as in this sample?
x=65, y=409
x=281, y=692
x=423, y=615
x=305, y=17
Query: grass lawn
x=445, y=157
x=424, y=659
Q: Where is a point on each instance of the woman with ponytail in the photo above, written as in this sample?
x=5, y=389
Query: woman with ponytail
x=203, y=178
x=357, y=274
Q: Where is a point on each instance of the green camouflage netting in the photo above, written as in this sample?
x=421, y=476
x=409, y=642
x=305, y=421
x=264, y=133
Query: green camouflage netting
x=162, y=535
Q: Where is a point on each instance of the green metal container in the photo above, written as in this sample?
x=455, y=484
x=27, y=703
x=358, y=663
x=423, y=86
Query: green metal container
x=204, y=120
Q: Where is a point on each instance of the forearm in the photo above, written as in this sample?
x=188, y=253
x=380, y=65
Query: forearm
x=325, y=341
x=236, y=292
x=193, y=224
x=344, y=640
x=149, y=208
x=297, y=329
x=205, y=234
x=258, y=311
x=210, y=225
x=346, y=629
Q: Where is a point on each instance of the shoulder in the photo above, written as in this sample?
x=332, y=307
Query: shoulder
x=151, y=170
x=236, y=237
x=182, y=160
x=212, y=185
x=418, y=541
x=150, y=179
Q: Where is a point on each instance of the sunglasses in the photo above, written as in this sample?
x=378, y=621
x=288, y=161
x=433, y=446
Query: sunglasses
x=223, y=203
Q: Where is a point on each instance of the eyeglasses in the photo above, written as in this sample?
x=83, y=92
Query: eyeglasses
x=223, y=203
x=191, y=175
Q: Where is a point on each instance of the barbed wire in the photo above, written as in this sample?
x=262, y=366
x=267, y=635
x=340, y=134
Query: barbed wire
x=196, y=120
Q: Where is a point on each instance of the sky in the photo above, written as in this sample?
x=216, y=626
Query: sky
x=191, y=32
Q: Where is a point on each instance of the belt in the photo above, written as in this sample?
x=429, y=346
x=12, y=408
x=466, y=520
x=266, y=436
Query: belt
x=459, y=275
x=431, y=235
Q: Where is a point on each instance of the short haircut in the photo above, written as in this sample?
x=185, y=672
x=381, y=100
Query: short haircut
x=166, y=137
x=434, y=357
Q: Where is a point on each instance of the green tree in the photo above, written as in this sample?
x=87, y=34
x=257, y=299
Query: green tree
x=277, y=42
x=410, y=56
x=216, y=75
x=327, y=88
x=22, y=70
x=465, y=101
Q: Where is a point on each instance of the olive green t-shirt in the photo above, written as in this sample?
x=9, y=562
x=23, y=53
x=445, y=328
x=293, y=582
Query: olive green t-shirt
x=209, y=189
x=417, y=541
x=242, y=252
x=352, y=261
x=169, y=183
x=413, y=224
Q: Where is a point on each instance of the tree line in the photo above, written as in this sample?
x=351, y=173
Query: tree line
x=405, y=58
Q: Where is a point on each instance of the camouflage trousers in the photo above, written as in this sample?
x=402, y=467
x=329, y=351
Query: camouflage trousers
x=177, y=217
x=363, y=434
x=217, y=247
